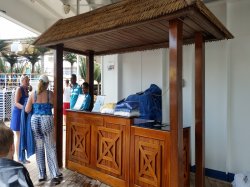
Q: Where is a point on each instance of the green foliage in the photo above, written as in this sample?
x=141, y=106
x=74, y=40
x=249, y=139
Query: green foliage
x=38, y=69
x=18, y=69
x=83, y=67
x=42, y=50
x=2, y=66
x=97, y=73
x=33, y=58
x=3, y=45
x=71, y=58
x=83, y=70
x=11, y=58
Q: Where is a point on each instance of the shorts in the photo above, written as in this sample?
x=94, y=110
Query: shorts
x=65, y=107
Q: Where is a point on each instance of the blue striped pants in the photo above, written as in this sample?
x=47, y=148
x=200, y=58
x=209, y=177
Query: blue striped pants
x=43, y=131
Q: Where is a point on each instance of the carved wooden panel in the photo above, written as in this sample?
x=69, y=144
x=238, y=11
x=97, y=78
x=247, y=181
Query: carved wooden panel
x=109, y=149
x=80, y=143
x=147, y=163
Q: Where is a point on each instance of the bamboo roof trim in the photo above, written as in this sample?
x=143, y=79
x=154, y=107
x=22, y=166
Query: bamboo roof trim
x=207, y=13
x=129, y=13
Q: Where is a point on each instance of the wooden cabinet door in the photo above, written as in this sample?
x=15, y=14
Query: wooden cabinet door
x=150, y=157
x=149, y=154
x=79, y=137
x=79, y=142
x=111, y=147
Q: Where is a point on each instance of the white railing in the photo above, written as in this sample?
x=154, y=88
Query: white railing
x=11, y=81
x=6, y=104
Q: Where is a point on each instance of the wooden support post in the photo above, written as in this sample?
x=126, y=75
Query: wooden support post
x=90, y=76
x=199, y=110
x=58, y=102
x=175, y=81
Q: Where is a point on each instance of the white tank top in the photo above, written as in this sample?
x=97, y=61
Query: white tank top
x=66, y=94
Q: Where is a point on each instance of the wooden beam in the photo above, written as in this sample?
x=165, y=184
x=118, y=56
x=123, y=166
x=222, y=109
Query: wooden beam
x=58, y=102
x=175, y=81
x=90, y=76
x=206, y=25
x=199, y=110
x=135, y=48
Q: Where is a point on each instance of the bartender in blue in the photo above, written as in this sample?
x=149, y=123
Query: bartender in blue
x=76, y=90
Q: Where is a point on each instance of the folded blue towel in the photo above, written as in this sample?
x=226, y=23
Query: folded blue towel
x=129, y=105
x=27, y=142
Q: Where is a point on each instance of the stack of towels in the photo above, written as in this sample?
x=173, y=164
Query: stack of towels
x=127, y=109
x=108, y=108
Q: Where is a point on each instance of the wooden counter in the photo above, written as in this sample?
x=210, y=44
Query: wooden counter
x=114, y=151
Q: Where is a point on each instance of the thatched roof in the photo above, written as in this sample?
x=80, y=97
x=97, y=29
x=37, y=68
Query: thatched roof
x=132, y=25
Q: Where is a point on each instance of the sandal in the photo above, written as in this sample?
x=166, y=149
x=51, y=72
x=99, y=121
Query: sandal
x=26, y=162
x=55, y=181
x=59, y=175
x=42, y=179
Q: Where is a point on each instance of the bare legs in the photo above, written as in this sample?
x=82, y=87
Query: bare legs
x=16, y=142
x=64, y=119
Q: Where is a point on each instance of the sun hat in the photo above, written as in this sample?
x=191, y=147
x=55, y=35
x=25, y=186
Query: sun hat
x=44, y=78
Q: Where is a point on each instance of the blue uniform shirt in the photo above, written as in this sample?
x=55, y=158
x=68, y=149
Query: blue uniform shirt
x=86, y=103
x=75, y=91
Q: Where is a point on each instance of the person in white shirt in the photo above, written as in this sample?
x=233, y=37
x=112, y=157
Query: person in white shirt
x=66, y=99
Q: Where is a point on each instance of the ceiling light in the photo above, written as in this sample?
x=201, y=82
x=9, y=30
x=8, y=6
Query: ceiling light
x=66, y=8
x=16, y=46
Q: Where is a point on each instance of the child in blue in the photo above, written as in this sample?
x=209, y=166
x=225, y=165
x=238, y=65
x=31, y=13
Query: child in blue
x=87, y=100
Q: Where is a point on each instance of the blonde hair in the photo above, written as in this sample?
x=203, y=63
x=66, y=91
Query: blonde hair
x=23, y=77
x=42, y=86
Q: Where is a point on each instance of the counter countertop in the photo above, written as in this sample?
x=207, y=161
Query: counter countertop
x=149, y=124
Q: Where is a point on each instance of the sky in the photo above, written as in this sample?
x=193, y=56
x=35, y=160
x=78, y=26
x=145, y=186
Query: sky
x=11, y=30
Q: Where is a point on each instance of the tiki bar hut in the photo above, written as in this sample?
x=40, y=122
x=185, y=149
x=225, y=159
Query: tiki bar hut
x=113, y=149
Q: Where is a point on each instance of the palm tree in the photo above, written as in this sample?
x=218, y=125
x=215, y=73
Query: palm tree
x=2, y=66
x=11, y=58
x=32, y=53
x=71, y=58
x=33, y=58
x=97, y=72
x=97, y=76
x=18, y=69
x=38, y=69
x=3, y=45
x=83, y=68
